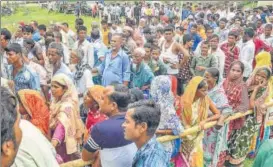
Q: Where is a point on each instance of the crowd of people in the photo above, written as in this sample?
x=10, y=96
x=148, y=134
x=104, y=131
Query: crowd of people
x=107, y=96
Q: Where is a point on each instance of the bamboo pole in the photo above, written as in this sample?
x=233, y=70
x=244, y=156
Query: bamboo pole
x=81, y=163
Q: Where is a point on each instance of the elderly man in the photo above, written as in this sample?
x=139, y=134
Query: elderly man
x=116, y=64
x=142, y=74
x=129, y=44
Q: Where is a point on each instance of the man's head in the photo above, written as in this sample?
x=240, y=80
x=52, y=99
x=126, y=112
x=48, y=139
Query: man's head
x=248, y=34
x=222, y=23
x=141, y=120
x=104, y=24
x=155, y=52
x=148, y=49
x=14, y=53
x=95, y=34
x=115, y=99
x=209, y=31
x=55, y=52
x=188, y=40
x=232, y=37
x=78, y=22
x=5, y=37
x=11, y=134
x=138, y=55
x=214, y=41
x=116, y=42
x=58, y=37
x=147, y=32
x=194, y=29
x=27, y=32
x=268, y=29
x=81, y=33
x=168, y=33
x=65, y=26
x=42, y=29
x=205, y=48
x=34, y=25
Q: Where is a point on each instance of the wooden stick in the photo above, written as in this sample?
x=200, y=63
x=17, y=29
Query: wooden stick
x=76, y=163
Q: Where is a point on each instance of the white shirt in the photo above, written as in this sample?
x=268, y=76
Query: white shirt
x=268, y=41
x=220, y=59
x=35, y=150
x=247, y=52
x=88, y=52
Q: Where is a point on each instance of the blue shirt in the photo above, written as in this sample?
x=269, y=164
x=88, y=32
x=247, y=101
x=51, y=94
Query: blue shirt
x=36, y=36
x=142, y=77
x=196, y=40
x=115, y=69
x=150, y=155
x=64, y=70
x=25, y=79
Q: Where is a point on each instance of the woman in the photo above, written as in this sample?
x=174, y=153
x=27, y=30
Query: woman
x=33, y=108
x=195, y=106
x=161, y=92
x=236, y=91
x=215, y=139
x=65, y=123
x=91, y=102
x=136, y=95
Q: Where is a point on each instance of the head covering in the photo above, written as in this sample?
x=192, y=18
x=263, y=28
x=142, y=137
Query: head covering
x=96, y=92
x=187, y=101
x=66, y=111
x=161, y=92
x=263, y=59
x=36, y=107
x=80, y=67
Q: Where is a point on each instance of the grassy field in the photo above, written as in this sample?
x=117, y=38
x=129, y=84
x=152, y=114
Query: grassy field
x=42, y=16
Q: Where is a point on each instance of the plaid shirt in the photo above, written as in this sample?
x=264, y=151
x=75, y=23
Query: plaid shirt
x=229, y=57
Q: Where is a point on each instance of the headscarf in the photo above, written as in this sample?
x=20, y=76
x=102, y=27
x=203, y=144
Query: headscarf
x=263, y=59
x=36, y=107
x=96, y=92
x=60, y=111
x=187, y=101
x=80, y=67
x=264, y=97
x=161, y=93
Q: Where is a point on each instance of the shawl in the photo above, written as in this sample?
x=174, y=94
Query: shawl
x=161, y=93
x=263, y=97
x=80, y=67
x=187, y=101
x=66, y=112
x=263, y=59
x=36, y=108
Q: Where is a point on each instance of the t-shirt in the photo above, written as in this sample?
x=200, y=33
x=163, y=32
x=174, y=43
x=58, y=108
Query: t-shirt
x=108, y=137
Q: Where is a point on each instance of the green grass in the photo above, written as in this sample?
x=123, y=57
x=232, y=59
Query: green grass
x=42, y=17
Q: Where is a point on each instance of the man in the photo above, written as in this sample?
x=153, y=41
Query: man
x=107, y=136
x=266, y=36
x=42, y=32
x=83, y=44
x=129, y=43
x=196, y=37
x=11, y=134
x=222, y=31
x=36, y=35
x=247, y=51
x=141, y=122
x=55, y=55
x=18, y=36
x=106, y=34
x=58, y=39
x=142, y=74
x=116, y=65
x=231, y=50
x=202, y=61
x=22, y=76
x=5, y=38
x=68, y=36
x=217, y=53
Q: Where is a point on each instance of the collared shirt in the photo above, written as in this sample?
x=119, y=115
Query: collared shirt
x=246, y=56
x=64, y=70
x=99, y=51
x=150, y=155
x=88, y=52
x=204, y=61
x=196, y=40
x=267, y=40
x=157, y=67
x=25, y=79
x=220, y=60
x=115, y=151
x=222, y=33
x=115, y=69
x=36, y=36
x=143, y=76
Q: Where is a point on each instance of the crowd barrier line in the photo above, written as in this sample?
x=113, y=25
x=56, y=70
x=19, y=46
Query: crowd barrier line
x=166, y=138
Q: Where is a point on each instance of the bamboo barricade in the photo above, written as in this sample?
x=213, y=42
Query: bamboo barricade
x=81, y=163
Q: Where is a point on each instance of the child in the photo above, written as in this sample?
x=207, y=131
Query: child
x=158, y=66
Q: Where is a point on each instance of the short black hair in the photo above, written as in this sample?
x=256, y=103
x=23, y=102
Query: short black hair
x=42, y=27
x=155, y=47
x=79, y=21
x=35, y=23
x=81, y=28
x=233, y=33
x=146, y=111
x=28, y=28
x=160, y=30
x=136, y=95
x=103, y=22
x=8, y=116
x=65, y=24
x=148, y=45
x=194, y=25
x=187, y=38
x=249, y=32
x=6, y=33
x=122, y=100
x=268, y=26
x=168, y=28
